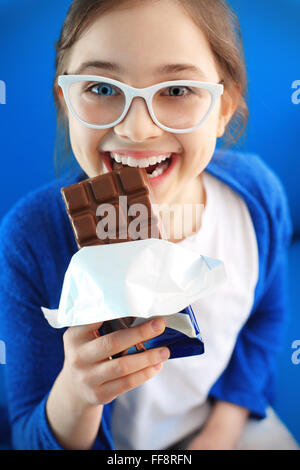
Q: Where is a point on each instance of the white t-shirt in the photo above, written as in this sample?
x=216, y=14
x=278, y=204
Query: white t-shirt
x=171, y=404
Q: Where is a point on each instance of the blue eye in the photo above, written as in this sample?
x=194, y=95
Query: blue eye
x=177, y=91
x=105, y=88
x=178, y=88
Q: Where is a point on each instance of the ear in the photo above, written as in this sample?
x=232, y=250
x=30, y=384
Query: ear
x=228, y=108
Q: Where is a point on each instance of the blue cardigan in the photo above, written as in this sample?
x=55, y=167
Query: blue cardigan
x=36, y=245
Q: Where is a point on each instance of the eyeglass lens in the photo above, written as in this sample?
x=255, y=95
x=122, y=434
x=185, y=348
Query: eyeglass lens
x=176, y=107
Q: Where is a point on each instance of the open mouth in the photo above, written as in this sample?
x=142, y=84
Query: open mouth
x=154, y=166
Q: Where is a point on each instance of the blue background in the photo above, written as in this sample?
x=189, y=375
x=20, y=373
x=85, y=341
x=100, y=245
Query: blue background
x=271, y=34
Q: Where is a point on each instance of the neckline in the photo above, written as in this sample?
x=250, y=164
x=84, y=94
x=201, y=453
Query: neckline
x=210, y=212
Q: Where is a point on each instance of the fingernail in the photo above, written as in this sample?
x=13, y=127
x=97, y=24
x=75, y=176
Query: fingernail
x=157, y=366
x=157, y=324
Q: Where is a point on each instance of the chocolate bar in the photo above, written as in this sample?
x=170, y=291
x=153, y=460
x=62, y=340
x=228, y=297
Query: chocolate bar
x=118, y=190
x=104, y=209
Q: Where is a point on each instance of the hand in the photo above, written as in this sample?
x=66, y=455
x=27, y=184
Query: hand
x=96, y=379
x=210, y=441
x=223, y=428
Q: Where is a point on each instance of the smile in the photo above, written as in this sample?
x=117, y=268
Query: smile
x=156, y=167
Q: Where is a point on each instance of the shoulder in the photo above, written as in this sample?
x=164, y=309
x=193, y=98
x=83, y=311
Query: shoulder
x=36, y=244
x=36, y=228
x=35, y=211
x=250, y=172
x=260, y=187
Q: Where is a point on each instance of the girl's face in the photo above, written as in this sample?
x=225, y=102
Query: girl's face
x=140, y=39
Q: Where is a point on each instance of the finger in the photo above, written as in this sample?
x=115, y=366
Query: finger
x=112, y=389
x=118, y=341
x=122, y=366
x=84, y=333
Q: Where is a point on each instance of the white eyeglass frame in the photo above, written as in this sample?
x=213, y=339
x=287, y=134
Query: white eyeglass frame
x=215, y=90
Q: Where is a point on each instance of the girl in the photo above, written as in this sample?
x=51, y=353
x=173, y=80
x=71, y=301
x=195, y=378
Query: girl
x=63, y=390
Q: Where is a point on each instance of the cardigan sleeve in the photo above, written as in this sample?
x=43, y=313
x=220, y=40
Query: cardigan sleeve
x=34, y=352
x=249, y=376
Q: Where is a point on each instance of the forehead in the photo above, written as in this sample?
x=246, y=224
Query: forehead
x=140, y=38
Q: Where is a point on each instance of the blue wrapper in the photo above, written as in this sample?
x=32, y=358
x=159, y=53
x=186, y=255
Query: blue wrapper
x=179, y=344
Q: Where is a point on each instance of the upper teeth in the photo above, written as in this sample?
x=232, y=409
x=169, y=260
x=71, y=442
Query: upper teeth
x=138, y=162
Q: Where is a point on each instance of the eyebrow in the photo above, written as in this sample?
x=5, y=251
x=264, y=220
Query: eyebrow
x=163, y=69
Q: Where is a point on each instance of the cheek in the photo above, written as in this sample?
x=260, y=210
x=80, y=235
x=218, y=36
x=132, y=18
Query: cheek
x=203, y=141
x=79, y=136
x=85, y=143
x=200, y=145
x=213, y=123
x=82, y=143
x=207, y=136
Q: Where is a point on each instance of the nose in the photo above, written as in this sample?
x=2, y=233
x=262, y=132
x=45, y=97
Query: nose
x=138, y=124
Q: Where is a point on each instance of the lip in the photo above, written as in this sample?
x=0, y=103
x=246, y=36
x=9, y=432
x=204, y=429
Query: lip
x=137, y=153
x=152, y=181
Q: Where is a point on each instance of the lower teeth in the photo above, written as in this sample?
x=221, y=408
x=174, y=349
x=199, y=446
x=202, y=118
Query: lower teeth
x=158, y=172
